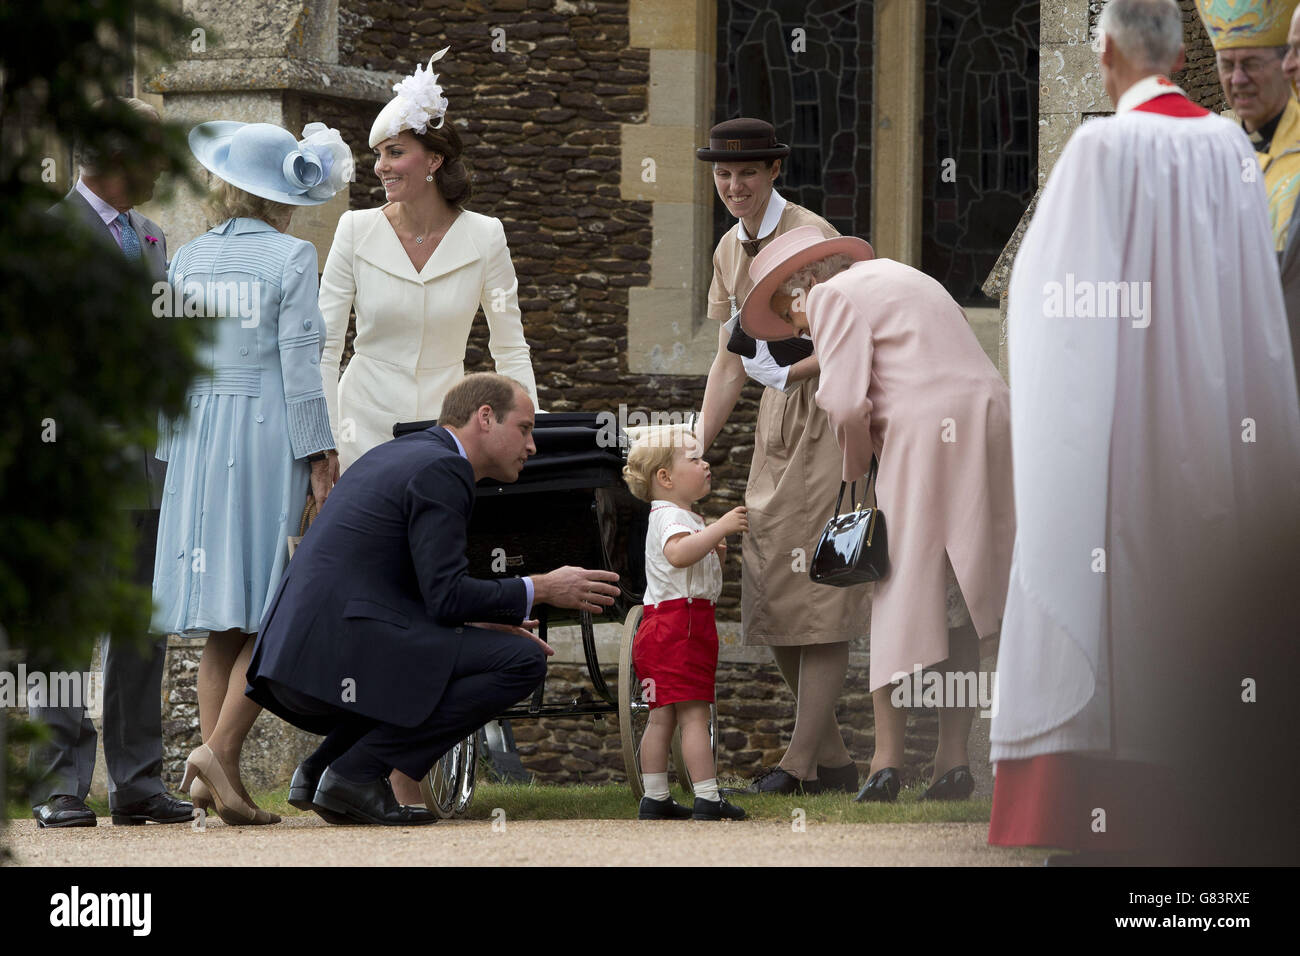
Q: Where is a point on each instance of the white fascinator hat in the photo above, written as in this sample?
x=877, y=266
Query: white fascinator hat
x=269, y=161
x=418, y=105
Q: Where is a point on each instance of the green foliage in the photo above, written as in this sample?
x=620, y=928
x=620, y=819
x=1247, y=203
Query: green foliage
x=84, y=360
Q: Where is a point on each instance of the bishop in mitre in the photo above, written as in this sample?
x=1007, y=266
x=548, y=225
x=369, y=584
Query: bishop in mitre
x=1156, y=445
x=1251, y=43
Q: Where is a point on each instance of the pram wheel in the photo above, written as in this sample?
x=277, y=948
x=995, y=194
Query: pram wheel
x=448, y=787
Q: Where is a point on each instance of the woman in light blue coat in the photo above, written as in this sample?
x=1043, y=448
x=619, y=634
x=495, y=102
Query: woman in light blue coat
x=256, y=436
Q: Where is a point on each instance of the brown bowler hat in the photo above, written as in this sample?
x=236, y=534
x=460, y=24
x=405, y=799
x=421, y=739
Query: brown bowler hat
x=741, y=139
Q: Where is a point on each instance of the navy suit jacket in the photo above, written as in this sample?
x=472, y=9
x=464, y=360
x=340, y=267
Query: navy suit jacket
x=370, y=614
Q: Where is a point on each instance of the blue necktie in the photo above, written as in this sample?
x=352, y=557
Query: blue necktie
x=130, y=241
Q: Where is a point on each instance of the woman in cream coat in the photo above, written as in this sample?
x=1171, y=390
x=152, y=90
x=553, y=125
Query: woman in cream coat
x=416, y=271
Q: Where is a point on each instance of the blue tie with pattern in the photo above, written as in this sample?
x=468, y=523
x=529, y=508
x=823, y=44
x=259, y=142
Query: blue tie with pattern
x=130, y=241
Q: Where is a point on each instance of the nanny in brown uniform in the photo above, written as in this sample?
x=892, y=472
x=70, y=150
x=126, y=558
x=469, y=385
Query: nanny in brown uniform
x=793, y=476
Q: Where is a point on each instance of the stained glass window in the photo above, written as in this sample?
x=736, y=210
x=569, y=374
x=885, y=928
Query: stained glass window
x=981, y=136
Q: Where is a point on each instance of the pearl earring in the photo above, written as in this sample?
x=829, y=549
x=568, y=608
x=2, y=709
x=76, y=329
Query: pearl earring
x=429, y=178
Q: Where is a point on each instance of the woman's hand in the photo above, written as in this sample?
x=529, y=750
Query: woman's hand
x=321, y=481
x=802, y=369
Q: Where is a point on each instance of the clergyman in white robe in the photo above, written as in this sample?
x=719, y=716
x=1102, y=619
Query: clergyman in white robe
x=1156, y=447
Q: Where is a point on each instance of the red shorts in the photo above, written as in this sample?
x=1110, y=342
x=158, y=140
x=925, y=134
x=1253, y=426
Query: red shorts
x=676, y=647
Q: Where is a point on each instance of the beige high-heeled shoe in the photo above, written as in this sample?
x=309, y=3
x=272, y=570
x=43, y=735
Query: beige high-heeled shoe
x=200, y=795
x=231, y=807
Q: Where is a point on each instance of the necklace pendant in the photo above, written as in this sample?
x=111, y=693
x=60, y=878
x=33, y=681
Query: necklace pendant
x=419, y=239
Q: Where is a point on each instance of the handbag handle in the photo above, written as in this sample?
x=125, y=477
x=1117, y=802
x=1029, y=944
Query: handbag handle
x=853, y=489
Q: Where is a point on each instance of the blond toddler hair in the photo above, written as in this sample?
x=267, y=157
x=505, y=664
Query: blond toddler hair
x=652, y=449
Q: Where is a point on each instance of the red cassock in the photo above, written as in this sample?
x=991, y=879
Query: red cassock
x=677, y=648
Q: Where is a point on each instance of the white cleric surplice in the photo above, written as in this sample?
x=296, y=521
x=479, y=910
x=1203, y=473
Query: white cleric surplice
x=1155, y=427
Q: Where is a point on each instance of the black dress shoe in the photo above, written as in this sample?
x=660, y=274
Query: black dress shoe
x=670, y=809
x=370, y=803
x=160, y=808
x=301, y=790
x=882, y=787
x=956, y=784
x=774, y=780
x=716, y=810
x=63, y=810
x=844, y=779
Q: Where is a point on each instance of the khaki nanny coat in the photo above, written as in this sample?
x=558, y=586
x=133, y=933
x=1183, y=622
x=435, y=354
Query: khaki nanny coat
x=790, y=494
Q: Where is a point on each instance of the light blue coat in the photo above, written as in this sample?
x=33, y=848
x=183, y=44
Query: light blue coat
x=237, y=475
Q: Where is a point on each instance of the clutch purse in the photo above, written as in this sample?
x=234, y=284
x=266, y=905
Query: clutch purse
x=854, y=546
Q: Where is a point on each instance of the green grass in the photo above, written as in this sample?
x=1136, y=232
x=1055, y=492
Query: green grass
x=614, y=802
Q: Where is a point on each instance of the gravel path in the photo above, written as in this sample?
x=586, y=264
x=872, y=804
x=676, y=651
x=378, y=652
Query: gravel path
x=305, y=841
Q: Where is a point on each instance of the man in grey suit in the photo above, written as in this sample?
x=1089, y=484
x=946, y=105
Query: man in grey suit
x=102, y=200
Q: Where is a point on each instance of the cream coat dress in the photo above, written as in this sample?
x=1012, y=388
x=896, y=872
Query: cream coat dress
x=412, y=327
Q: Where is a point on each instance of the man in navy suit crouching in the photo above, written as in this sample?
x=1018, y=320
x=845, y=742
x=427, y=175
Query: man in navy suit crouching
x=378, y=638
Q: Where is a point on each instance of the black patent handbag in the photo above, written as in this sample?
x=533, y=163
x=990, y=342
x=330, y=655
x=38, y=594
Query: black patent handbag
x=854, y=546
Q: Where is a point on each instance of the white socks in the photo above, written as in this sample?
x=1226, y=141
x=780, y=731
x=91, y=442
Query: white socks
x=707, y=790
x=656, y=785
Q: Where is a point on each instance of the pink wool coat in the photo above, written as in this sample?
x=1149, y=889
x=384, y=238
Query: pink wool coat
x=903, y=375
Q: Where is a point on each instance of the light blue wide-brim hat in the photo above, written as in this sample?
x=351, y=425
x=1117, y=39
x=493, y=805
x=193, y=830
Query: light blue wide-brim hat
x=269, y=161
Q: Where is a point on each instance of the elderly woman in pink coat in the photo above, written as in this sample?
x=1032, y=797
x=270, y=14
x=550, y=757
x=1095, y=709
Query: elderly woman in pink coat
x=903, y=377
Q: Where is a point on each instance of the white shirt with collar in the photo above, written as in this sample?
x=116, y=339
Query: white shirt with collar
x=762, y=368
x=771, y=216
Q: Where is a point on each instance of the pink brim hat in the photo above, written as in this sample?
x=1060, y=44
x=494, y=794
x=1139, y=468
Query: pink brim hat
x=786, y=254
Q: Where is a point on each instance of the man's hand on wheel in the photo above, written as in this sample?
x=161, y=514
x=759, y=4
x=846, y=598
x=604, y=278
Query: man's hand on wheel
x=579, y=588
x=522, y=631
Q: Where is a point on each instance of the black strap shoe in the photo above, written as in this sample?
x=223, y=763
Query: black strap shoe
x=882, y=787
x=716, y=810
x=302, y=788
x=160, y=808
x=670, y=809
x=956, y=784
x=63, y=810
x=774, y=780
x=369, y=803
